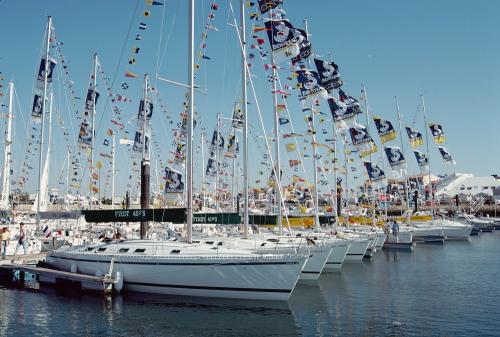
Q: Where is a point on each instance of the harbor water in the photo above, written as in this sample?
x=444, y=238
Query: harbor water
x=436, y=290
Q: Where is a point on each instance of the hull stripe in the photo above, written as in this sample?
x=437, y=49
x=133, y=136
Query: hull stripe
x=160, y=285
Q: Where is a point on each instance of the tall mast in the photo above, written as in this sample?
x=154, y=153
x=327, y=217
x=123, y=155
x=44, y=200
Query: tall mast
x=67, y=174
x=315, y=153
x=145, y=163
x=189, y=150
x=45, y=80
x=367, y=113
x=431, y=190
x=203, y=186
x=400, y=121
x=277, y=164
x=4, y=200
x=113, y=170
x=94, y=101
x=245, y=119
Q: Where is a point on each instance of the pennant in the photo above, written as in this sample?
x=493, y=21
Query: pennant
x=297, y=179
x=154, y=3
x=293, y=162
x=143, y=26
x=283, y=120
x=214, y=6
x=130, y=74
x=422, y=160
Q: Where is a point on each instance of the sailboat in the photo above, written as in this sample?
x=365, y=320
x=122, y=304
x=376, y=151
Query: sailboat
x=183, y=268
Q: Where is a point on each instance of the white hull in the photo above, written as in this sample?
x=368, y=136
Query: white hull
x=337, y=257
x=381, y=237
x=315, y=263
x=357, y=250
x=220, y=274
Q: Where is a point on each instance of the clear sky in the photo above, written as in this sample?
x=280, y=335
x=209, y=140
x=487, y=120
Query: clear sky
x=447, y=50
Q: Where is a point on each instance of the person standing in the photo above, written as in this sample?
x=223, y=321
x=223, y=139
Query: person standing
x=22, y=239
x=4, y=241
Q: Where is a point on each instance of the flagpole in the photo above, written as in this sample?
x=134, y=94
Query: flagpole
x=245, y=120
x=113, y=170
x=7, y=155
x=189, y=150
x=431, y=189
x=408, y=218
x=45, y=82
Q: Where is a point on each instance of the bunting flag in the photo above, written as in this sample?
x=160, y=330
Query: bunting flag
x=293, y=134
x=85, y=135
x=180, y=153
x=173, y=181
x=266, y=5
x=290, y=147
x=415, y=137
x=283, y=120
x=422, y=160
x=309, y=84
x=395, y=157
x=284, y=39
x=154, y=3
x=437, y=133
x=130, y=74
x=329, y=75
x=297, y=179
x=446, y=155
x=374, y=172
x=385, y=129
x=293, y=162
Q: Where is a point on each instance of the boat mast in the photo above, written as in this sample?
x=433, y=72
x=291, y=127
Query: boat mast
x=315, y=152
x=365, y=99
x=400, y=121
x=145, y=163
x=277, y=163
x=4, y=201
x=431, y=189
x=189, y=150
x=245, y=119
x=113, y=170
x=45, y=80
x=94, y=101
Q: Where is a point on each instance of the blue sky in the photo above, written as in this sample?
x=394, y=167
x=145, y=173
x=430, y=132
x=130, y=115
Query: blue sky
x=446, y=50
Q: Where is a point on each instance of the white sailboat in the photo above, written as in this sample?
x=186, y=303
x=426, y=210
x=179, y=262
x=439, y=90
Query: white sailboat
x=178, y=268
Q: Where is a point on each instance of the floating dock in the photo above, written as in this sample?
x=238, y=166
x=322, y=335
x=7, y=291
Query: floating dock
x=59, y=279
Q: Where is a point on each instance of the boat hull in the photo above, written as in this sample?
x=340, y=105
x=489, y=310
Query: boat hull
x=337, y=257
x=357, y=250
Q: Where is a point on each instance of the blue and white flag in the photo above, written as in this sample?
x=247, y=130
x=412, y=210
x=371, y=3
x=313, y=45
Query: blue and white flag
x=446, y=155
x=149, y=111
x=309, y=84
x=395, y=157
x=385, y=129
x=85, y=134
x=374, y=172
x=359, y=135
x=212, y=166
x=36, y=111
x=284, y=39
x=422, y=160
x=89, y=101
x=305, y=48
x=217, y=139
x=41, y=71
x=173, y=181
x=329, y=75
x=138, y=142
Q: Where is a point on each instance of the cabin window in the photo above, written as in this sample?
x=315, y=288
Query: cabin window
x=123, y=250
x=140, y=250
x=273, y=240
x=196, y=241
x=209, y=242
x=89, y=249
x=262, y=244
x=220, y=243
x=102, y=249
x=175, y=251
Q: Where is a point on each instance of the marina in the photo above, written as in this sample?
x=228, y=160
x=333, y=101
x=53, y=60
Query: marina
x=246, y=168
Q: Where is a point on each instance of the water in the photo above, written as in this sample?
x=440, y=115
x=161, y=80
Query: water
x=448, y=290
